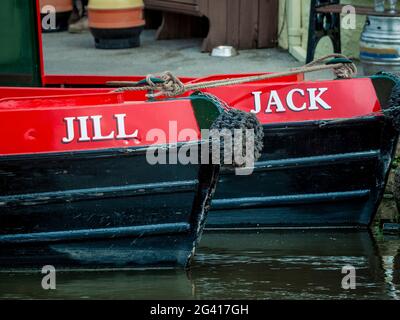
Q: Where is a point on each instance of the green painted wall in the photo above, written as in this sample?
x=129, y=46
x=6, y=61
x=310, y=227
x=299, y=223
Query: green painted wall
x=350, y=38
x=19, y=52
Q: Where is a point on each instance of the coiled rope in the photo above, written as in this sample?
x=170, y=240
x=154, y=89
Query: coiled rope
x=167, y=84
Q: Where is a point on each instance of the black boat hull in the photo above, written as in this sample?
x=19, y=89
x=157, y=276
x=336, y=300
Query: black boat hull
x=311, y=175
x=101, y=209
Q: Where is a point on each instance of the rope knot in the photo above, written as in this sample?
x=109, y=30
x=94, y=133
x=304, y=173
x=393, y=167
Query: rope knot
x=346, y=70
x=342, y=67
x=170, y=85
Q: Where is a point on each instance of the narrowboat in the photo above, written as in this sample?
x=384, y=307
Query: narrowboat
x=328, y=149
x=76, y=186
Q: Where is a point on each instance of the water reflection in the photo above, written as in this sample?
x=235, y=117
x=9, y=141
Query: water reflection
x=242, y=265
x=291, y=265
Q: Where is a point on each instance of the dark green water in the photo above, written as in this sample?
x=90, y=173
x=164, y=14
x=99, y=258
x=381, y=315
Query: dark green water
x=242, y=265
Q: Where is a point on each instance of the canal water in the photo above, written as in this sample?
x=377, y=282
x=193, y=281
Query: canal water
x=243, y=265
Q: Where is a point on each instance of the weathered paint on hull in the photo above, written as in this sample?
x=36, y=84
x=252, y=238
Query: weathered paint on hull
x=101, y=209
x=312, y=174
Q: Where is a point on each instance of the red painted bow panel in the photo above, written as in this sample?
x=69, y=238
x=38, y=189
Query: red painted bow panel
x=304, y=101
x=40, y=120
x=48, y=126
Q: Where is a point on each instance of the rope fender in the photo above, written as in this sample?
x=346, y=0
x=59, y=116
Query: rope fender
x=229, y=123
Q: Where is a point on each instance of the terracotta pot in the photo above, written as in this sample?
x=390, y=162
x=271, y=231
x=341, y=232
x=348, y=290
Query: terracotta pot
x=60, y=5
x=116, y=24
x=63, y=12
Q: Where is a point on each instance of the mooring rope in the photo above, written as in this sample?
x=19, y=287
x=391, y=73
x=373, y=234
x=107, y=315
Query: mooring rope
x=169, y=85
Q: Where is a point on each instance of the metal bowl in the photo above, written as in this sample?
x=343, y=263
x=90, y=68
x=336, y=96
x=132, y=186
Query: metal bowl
x=224, y=51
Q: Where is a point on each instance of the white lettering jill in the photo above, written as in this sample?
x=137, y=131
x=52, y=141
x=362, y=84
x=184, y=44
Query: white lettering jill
x=98, y=135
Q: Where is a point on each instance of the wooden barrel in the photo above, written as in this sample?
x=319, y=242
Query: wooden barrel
x=116, y=24
x=63, y=9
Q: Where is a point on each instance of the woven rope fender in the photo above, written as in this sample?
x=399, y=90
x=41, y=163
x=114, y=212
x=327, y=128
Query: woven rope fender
x=236, y=124
x=236, y=131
